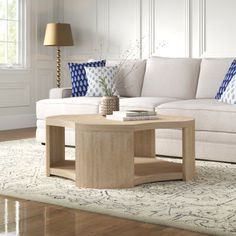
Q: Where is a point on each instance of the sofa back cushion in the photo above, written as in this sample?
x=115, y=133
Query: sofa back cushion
x=130, y=76
x=171, y=77
x=212, y=73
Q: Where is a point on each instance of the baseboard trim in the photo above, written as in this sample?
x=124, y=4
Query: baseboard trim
x=17, y=121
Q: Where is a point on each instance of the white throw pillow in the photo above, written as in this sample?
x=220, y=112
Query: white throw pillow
x=229, y=95
x=94, y=75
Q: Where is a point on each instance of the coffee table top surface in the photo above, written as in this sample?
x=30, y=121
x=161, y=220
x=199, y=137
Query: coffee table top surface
x=99, y=122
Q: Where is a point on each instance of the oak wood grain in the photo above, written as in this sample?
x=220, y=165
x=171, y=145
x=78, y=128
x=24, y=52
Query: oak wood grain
x=106, y=149
x=55, y=146
x=104, y=159
x=188, y=142
x=144, y=143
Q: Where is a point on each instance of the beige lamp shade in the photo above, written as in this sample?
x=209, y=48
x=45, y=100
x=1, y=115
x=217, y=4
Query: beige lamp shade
x=58, y=34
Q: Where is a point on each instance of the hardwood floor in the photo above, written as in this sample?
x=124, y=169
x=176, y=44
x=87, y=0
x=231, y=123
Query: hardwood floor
x=8, y=135
x=27, y=218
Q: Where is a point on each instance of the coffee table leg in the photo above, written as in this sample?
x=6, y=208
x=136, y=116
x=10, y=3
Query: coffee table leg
x=144, y=143
x=55, y=146
x=104, y=159
x=188, y=152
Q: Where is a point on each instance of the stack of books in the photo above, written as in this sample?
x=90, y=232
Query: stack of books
x=132, y=115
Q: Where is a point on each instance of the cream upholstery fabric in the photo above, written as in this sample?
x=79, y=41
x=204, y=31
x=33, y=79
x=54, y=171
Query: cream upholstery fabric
x=210, y=114
x=73, y=105
x=143, y=103
x=211, y=75
x=208, y=150
x=130, y=79
x=201, y=136
x=171, y=77
x=57, y=93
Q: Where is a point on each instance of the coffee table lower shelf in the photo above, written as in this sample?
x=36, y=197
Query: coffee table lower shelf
x=146, y=170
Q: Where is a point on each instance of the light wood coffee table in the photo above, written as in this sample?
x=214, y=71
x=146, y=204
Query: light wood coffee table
x=115, y=154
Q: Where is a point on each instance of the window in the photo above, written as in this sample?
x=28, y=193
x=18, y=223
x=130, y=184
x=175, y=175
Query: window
x=11, y=33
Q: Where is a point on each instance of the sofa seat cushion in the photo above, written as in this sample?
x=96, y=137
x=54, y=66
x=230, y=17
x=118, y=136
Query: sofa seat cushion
x=209, y=114
x=143, y=103
x=67, y=106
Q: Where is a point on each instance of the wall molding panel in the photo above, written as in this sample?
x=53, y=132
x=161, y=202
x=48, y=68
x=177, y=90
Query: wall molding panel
x=82, y=15
x=8, y=122
x=124, y=33
x=152, y=46
x=183, y=24
x=202, y=27
x=188, y=21
x=14, y=95
x=46, y=16
x=45, y=82
x=111, y=34
x=216, y=21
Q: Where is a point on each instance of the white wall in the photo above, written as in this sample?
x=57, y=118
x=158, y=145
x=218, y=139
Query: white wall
x=188, y=28
x=106, y=29
x=191, y=28
x=20, y=89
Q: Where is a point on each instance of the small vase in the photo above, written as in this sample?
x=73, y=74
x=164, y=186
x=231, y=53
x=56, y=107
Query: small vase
x=109, y=104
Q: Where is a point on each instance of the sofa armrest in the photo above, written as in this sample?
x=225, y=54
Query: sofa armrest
x=56, y=93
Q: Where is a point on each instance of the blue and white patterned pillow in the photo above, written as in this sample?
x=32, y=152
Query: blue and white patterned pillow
x=78, y=76
x=228, y=77
x=94, y=75
x=229, y=95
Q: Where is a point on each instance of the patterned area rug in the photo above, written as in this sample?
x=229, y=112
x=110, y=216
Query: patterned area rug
x=207, y=204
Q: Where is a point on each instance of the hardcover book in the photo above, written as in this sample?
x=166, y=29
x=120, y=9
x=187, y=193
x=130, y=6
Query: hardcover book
x=133, y=113
x=131, y=118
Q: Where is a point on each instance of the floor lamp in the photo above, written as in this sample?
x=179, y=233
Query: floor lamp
x=58, y=34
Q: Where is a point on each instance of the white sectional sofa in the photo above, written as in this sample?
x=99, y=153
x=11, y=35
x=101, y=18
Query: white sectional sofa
x=171, y=86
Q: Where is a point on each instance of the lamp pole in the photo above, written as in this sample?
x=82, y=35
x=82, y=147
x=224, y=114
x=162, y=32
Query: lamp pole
x=58, y=67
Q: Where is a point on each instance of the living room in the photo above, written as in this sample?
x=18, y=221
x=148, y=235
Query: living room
x=168, y=168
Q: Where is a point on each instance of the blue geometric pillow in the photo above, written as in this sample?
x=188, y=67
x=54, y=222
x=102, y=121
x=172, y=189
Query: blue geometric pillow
x=78, y=76
x=228, y=77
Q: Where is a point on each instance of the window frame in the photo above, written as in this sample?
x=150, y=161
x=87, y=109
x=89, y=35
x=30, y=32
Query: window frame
x=23, y=39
